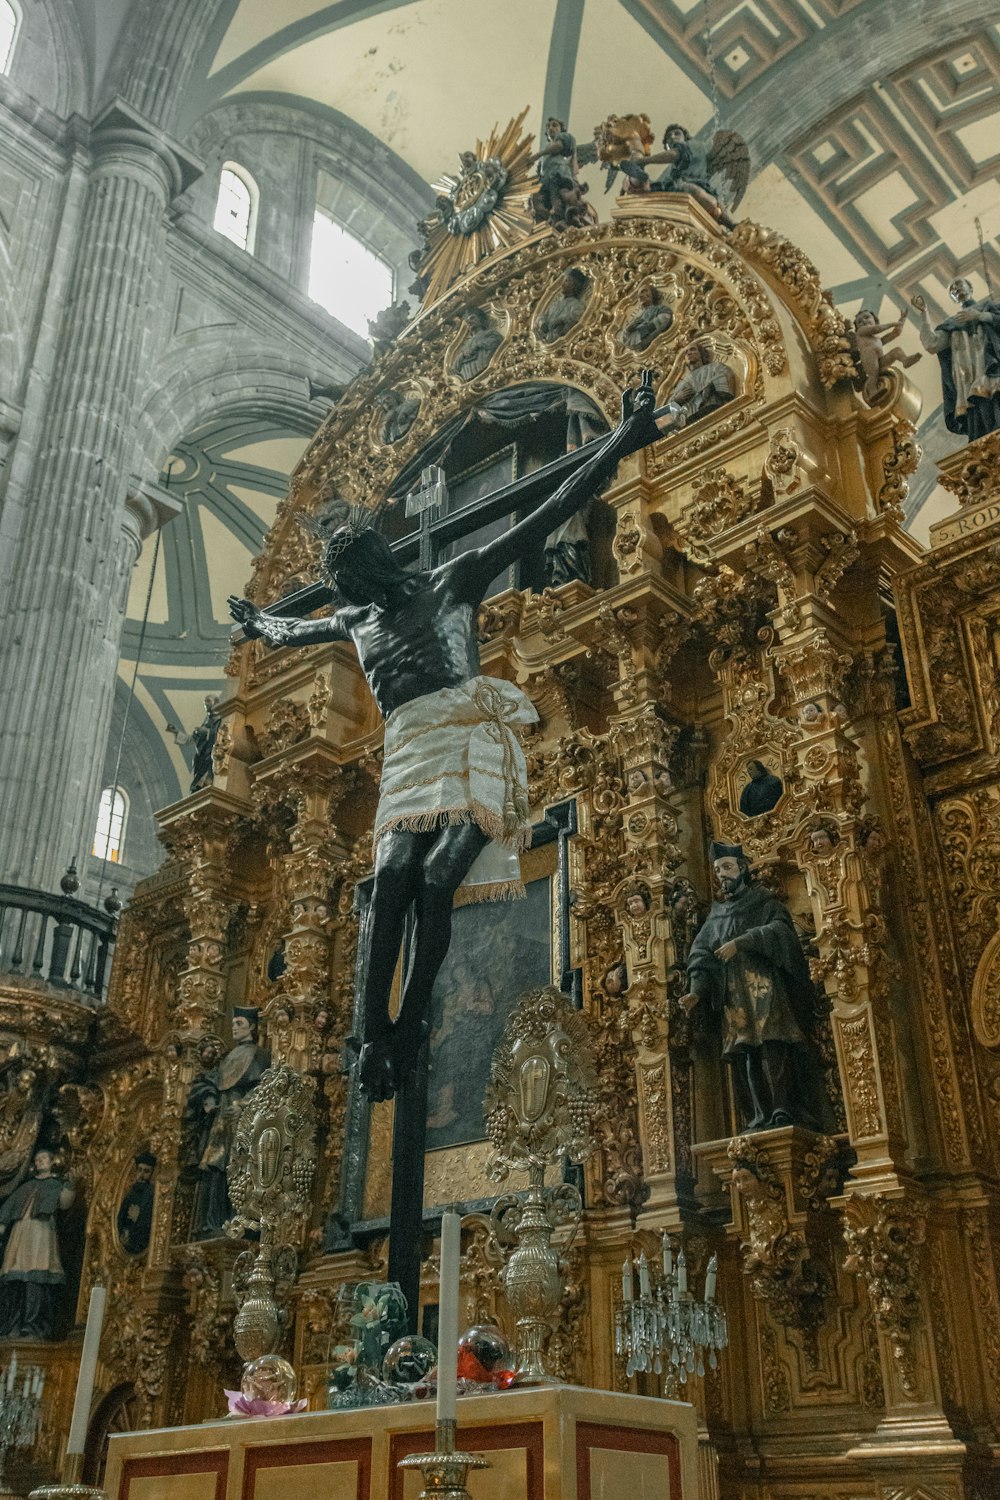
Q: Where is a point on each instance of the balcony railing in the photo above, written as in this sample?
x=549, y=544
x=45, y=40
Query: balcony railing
x=55, y=940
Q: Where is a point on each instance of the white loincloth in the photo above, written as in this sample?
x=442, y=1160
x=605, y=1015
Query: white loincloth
x=452, y=757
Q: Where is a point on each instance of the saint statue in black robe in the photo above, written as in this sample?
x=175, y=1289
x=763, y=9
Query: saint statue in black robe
x=31, y=1273
x=762, y=791
x=135, y=1212
x=746, y=961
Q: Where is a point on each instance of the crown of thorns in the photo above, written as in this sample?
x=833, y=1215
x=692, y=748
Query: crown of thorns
x=340, y=525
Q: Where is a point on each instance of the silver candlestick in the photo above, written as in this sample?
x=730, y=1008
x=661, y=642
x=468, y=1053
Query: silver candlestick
x=20, y=1412
x=445, y=1470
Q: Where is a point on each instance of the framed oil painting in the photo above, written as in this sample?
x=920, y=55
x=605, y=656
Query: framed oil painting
x=498, y=950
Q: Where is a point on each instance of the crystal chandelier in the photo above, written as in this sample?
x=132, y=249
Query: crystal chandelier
x=20, y=1410
x=666, y=1329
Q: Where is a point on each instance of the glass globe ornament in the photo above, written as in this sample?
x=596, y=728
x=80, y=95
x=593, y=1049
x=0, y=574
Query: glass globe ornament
x=483, y=1353
x=409, y=1360
x=269, y=1378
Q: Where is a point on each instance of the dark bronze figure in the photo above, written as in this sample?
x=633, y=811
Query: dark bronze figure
x=415, y=634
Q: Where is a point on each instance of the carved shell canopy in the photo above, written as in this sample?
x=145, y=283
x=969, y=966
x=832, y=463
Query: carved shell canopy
x=274, y=1151
x=542, y=1090
x=756, y=308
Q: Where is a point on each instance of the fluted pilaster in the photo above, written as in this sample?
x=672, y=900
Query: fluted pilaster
x=60, y=624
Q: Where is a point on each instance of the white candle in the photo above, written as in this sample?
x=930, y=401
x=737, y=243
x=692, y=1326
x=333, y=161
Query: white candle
x=88, y=1370
x=644, y=1292
x=447, y=1364
x=12, y=1371
x=710, y=1276
x=627, y=1291
x=682, y=1274
x=668, y=1257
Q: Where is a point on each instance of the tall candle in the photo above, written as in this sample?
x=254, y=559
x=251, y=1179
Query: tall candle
x=682, y=1274
x=12, y=1371
x=627, y=1290
x=88, y=1370
x=447, y=1365
x=668, y=1257
x=644, y=1291
x=710, y=1276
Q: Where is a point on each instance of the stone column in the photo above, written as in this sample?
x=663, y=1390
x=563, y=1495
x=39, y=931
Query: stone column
x=61, y=620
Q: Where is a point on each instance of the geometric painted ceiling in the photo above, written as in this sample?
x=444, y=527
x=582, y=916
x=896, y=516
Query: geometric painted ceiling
x=231, y=478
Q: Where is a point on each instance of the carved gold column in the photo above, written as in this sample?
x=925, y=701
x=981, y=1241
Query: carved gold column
x=307, y=781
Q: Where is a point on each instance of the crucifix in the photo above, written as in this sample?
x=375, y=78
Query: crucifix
x=427, y=501
x=453, y=803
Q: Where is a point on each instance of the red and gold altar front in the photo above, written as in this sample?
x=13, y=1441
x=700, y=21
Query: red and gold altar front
x=550, y=1443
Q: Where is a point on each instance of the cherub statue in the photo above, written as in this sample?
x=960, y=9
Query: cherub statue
x=653, y=318
x=872, y=356
x=715, y=173
x=385, y=328
x=968, y=346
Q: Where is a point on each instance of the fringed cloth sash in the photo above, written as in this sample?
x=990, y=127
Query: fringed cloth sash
x=452, y=757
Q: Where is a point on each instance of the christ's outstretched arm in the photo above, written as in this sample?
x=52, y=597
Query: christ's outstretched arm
x=283, y=630
x=475, y=570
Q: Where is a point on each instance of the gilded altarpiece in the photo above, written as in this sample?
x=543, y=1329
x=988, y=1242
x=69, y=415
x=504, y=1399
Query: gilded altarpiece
x=757, y=564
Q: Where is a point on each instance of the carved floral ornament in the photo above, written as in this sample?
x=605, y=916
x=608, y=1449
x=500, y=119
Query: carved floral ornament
x=717, y=294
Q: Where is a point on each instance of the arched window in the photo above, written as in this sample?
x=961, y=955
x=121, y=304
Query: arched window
x=109, y=836
x=345, y=277
x=236, y=206
x=10, y=20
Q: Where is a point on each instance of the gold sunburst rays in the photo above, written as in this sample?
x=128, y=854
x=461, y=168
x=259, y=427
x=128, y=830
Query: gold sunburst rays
x=496, y=219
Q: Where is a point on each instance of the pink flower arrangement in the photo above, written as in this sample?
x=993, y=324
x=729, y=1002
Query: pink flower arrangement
x=256, y=1406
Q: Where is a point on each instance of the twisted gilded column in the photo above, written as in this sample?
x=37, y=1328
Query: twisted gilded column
x=62, y=608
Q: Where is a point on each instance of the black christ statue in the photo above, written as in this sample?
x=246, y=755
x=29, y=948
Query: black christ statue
x=453, y=807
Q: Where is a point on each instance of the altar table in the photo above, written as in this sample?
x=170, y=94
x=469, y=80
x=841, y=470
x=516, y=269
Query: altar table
x=543, y=1443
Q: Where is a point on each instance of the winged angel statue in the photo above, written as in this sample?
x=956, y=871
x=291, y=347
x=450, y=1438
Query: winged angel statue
x=715, y=172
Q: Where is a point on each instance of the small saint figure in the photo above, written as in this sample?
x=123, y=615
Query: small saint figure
x=746, y=961
x=873, y=357
x=217, y=1095
x=967, y=345
x=653, y=318
x=707, y=385
x=479, y=347
x=202, y=738
x=399, y=413
x=762, y=792
x=135, y=1212
x=31, y=1273
x=567, y=309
